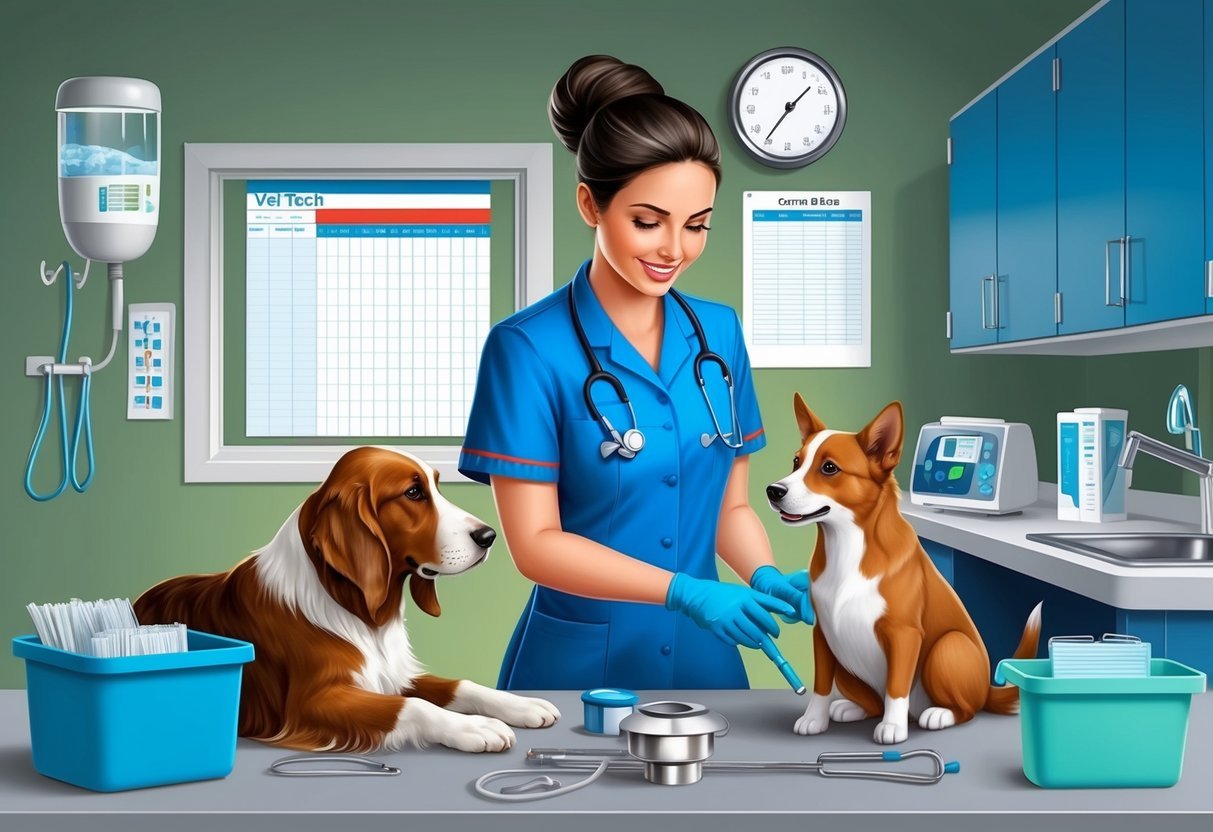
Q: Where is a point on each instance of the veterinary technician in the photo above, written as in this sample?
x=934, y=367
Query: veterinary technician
x=617, y=515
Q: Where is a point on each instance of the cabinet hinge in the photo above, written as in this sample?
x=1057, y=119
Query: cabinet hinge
x=1057, y=307
x=1056, y=74
x=949, y=325
x=949, y=150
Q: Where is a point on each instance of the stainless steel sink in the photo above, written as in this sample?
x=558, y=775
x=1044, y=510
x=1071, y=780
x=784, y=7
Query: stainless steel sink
x=1136, y=548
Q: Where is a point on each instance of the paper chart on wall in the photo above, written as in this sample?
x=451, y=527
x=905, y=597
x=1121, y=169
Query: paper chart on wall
x=807, y=258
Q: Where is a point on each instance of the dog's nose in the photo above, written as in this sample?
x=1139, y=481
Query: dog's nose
x=484, y=537
x=776, y=492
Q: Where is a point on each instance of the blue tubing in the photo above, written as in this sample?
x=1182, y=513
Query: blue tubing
x=83, y=418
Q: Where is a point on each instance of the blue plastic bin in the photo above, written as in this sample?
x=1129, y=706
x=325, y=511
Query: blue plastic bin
x=1103, y=732
x=135, y=721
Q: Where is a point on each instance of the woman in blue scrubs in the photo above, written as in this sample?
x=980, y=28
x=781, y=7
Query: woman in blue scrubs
x=622, y=542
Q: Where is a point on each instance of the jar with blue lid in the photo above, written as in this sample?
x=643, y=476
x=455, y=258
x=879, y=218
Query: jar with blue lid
x=605, y=708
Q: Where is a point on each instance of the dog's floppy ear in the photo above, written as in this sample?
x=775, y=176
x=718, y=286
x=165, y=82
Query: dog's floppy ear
x=347, y=534
x=425, y=594
x=805, y=419
x=881, y=439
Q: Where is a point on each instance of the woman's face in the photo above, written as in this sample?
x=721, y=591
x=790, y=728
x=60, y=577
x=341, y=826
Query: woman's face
x=656, y=226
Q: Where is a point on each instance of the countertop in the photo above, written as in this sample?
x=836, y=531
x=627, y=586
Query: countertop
x=435, y=791
x=1002, y=540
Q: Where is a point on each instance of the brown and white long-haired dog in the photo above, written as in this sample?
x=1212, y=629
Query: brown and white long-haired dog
x=323, y=606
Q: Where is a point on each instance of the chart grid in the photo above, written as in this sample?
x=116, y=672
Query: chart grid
x=367, y=306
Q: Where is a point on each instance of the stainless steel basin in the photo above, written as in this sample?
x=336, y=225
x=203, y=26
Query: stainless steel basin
x=1136, y=548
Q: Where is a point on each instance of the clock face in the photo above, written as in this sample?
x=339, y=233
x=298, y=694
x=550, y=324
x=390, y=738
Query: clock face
x=788, y=107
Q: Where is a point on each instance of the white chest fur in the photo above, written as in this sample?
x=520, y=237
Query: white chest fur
x=848, y=605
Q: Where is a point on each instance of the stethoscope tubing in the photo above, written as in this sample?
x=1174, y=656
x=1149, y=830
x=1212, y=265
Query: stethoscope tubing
x=597, y=374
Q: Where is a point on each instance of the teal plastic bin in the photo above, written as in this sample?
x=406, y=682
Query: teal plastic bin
x=135, y=721
x=1103, y=732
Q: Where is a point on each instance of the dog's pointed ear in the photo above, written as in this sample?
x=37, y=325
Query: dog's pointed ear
x=347, y=535
x=425, y=594
x=882, y=438
x=805, y=418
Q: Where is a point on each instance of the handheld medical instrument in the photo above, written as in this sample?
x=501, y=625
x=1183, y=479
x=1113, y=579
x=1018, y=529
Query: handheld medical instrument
x=785, y=668
x=671, y=742
x=632, y=441
x=299, y=766
x=109, y=197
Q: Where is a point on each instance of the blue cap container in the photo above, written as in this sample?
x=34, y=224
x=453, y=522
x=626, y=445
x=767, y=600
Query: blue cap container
x=134, y=721
x=605, y=708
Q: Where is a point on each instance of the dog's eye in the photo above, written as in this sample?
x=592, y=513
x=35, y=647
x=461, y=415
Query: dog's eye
x=829, y=468
x=414, y=493
x=795, y=462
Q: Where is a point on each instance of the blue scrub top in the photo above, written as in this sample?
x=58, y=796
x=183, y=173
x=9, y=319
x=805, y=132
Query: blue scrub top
x=529, y=421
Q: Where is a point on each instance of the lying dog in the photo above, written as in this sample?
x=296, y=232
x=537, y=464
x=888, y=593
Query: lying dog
x=323, y=606
x=892, y=637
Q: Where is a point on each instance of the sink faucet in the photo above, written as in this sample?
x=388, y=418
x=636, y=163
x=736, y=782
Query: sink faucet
x=1198, y=465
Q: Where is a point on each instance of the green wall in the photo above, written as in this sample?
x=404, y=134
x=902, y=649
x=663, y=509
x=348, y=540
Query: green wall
x=480, y=71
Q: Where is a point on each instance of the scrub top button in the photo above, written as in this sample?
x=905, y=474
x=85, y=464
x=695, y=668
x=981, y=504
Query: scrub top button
x=667, y=542
x=665, y=650
x=671, y=480
x=662, y=398
x=668, y=426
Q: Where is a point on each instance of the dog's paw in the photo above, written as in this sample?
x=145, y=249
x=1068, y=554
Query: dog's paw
x=889, y=733
x=934, y=719
x=844, y=710
x=526, y=712
x=815, y=720
x=478, y=734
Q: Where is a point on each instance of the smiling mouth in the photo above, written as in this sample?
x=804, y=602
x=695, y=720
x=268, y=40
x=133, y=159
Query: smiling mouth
x=796, y=518
x=658, y=272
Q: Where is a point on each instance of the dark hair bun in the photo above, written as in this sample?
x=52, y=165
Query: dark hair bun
x=590, y=84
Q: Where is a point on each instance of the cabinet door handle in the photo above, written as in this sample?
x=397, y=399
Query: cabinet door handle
x=997, y=302
x=1107, y=271
x=1209, y=279
x=1126, y=270
x=990, y=279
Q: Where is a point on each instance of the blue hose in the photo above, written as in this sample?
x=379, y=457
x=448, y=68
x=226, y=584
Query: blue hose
x=83, y=418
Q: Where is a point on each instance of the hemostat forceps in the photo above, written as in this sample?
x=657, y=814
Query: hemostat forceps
x=359, y=766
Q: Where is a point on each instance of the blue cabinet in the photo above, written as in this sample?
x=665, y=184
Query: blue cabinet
x=1091, y=171
x=1027, y=202
x=999, y=601
x=1103, y=189
x=1209, y=156
x=973, y=244
x=1165, y=157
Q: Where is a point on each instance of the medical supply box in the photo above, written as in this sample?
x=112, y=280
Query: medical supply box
x=1090, y=483
x=1103, y=732
x=135, y=721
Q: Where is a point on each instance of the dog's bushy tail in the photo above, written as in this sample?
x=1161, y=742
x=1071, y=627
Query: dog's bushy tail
x=1005, y=699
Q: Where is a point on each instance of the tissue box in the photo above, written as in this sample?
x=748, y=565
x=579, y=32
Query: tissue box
x=135, y=721
x=1090, y=485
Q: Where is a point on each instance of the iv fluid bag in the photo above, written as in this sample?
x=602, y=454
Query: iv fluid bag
x=109, y=166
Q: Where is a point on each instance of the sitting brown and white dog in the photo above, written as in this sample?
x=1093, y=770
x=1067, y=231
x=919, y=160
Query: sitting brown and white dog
x=323, y=606
x=892, y=637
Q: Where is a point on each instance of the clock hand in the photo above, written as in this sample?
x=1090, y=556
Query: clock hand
x=787, y=108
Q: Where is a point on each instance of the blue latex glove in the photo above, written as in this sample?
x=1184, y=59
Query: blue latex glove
x=734, y=614
x=791, y=589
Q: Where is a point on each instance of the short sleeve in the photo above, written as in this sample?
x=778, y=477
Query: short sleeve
x=749, y=419
x=512, y=429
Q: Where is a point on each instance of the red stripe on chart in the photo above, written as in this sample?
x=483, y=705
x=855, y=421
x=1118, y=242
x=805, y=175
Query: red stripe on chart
x=402, y=216
x=505, y=458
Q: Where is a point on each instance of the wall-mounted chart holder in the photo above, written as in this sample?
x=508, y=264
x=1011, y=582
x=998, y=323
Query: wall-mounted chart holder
x=152, y=329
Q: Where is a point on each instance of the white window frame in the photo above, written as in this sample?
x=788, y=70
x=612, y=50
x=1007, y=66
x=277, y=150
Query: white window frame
x=208, y=166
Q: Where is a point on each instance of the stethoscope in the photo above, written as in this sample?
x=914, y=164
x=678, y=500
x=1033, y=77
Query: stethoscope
x=632, y=440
